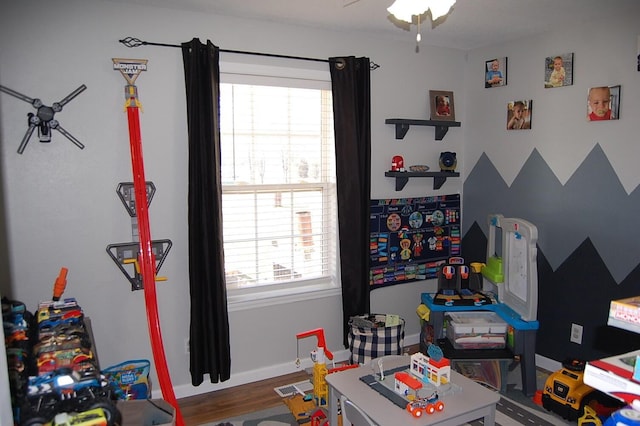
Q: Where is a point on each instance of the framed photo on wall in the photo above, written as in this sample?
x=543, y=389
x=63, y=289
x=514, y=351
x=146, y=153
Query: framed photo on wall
x=603, y=103
x=519, y=115
x=441, y=105
x=558, y=70
x=495, y=72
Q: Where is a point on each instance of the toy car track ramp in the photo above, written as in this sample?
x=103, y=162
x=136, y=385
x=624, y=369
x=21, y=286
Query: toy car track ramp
x=130, y=69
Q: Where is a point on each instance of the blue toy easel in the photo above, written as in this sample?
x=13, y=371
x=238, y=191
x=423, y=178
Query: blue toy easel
x=515, y=275
x=519, y=288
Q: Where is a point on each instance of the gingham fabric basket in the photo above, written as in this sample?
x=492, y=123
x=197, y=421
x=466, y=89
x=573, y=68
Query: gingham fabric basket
x=369, y=342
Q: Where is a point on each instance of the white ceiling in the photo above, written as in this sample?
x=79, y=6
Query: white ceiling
x=471, y=24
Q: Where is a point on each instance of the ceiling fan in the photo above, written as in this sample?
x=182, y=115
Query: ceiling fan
x=406, y=10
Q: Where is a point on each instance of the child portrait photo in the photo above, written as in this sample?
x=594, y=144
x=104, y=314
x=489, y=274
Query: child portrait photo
x=495, y=72
x=519, y=115
x=441, y=104
x=603, y=103
x=558, y=70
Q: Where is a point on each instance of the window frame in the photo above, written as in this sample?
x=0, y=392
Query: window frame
x=290, y=74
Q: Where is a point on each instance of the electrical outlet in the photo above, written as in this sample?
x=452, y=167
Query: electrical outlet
x=576, y=334
x=186, y=346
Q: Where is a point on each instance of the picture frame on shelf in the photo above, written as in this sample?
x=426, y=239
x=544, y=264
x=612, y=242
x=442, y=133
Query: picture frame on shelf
x=441, y=105
x=495, y=72
x=558, y=70
x=603, y=103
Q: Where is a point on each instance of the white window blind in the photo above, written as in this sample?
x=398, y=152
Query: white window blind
x=278, y=186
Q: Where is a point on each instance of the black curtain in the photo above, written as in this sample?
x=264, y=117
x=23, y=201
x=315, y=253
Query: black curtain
x=209, y=328
x=350, y=81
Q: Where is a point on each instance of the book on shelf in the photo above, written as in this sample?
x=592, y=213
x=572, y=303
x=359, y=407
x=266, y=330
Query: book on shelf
x=486, y=372
x=615, y=376
x=625, y=313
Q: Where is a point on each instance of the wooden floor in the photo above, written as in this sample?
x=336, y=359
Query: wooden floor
x=235, y=401
x=231, y=402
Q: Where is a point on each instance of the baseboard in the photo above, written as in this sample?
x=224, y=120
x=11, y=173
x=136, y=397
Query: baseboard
x=411, y=340
x=245, y=377
x=547, y=363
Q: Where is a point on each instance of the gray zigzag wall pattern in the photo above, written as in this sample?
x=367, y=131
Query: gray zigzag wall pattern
x=592, y=199
x=579, y=271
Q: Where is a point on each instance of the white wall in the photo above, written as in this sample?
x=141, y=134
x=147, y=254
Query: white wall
x=61, y=204
x=604, y=55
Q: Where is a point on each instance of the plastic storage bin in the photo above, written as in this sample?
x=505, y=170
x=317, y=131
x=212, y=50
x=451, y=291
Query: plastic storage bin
x=476, y=330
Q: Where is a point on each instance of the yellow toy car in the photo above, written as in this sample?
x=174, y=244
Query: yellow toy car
x=93, y=417
x=566, y=394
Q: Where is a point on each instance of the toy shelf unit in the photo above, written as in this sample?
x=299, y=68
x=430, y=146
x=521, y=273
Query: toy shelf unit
x=615, y=376
x=402, y=127
x=521, y=338
x=625, y=314
x=619, y=375
x=511, y=272
x=439, y=178
x=403, y=124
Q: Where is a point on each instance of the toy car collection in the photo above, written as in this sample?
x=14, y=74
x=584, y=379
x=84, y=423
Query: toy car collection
x=54, y=378
x=15, y=322
x=65, y=390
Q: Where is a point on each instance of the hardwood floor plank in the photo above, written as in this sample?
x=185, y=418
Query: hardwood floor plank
x=223, y=404
x=235, y=401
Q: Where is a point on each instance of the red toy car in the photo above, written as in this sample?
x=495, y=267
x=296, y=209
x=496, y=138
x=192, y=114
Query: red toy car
x=427, y=405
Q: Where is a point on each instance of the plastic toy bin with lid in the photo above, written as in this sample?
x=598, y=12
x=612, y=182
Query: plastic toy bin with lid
x=476, y=330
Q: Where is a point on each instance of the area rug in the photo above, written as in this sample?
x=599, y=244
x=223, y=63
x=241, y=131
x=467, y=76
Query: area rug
x=508, y=413
x=513, y=409
x=276, y=416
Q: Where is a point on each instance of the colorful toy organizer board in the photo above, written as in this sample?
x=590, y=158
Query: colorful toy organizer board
x=411, y=237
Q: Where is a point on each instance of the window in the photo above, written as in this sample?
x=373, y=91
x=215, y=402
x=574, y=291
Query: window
x=278, y=186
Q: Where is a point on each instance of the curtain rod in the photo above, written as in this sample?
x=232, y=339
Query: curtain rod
x=135, y=42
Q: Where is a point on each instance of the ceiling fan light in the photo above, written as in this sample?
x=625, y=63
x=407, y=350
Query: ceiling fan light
x=440, y=8
x=405, y=9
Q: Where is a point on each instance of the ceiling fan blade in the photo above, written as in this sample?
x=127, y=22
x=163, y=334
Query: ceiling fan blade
x=349, y=2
